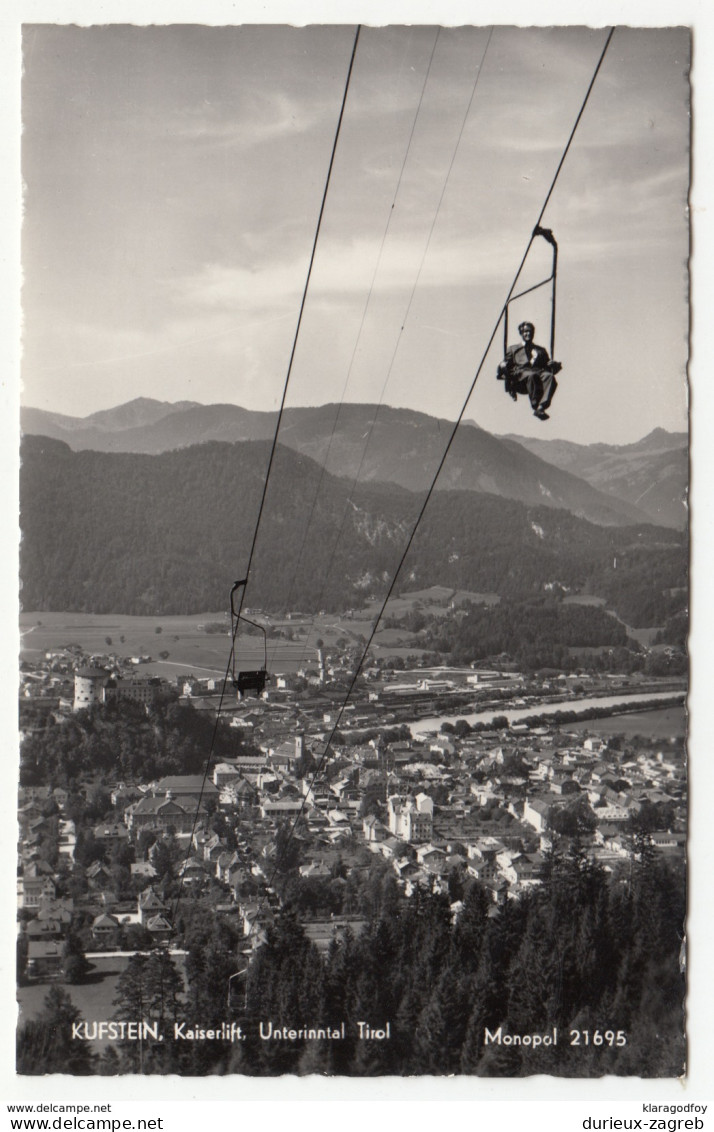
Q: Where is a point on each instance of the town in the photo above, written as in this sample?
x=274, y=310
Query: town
x=305, y=799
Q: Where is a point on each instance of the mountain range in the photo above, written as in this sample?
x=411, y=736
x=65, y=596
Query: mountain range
x=606, y=484
x=169, y=533
x=651, y=474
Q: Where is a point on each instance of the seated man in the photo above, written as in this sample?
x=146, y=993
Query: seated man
x=527, y=369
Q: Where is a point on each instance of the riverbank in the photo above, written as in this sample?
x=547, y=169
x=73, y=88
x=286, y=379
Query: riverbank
x=574, y=709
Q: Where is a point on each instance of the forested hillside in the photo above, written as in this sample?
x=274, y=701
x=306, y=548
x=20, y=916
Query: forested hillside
x=170, y=534
x=375, y=443
x=586, y=953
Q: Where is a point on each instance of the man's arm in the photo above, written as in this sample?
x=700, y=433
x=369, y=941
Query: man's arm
x=542, y=361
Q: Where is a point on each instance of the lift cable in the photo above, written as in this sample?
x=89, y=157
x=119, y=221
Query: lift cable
x=360, y=330
x=318, y=770
x=237, y=617
x=406, y=314
x=299, y=321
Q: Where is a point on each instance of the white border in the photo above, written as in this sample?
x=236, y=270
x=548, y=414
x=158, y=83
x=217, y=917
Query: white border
x=410, y=1091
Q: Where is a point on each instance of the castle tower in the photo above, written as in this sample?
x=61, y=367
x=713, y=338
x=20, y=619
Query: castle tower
x=89, y=686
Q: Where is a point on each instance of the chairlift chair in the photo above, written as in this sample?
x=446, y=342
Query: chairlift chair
x=252, y=679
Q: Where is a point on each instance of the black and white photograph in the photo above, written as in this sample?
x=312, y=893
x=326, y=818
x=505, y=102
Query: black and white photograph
x=354, y=560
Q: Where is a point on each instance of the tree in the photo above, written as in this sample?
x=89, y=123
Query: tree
x=45, y=1045
x=149, y=987
x=287, y=850
x=75, y=965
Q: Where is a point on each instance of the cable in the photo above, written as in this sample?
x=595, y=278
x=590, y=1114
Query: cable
x=358, y=337
x=299, y=321
x=272, y=455
x=358, y=668
x=406, y=313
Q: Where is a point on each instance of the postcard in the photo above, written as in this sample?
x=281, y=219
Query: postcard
x=355, y=550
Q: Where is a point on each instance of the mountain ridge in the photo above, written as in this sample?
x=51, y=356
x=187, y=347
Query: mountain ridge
x=369, y=442
x=121, y=532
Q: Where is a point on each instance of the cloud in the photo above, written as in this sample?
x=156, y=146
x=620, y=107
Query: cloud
x=264, y=117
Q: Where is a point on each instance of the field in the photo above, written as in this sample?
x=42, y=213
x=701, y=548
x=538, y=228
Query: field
x=191, y=648
x=660, y=723
x=94, y=998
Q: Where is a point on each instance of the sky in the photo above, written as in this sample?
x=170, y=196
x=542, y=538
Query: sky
x=173, y=178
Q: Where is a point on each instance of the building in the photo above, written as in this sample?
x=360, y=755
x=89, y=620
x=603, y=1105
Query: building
x=537, y=813
x=44, y=958
x=162, y=812
x=411, y=819
x=89, y=687
x=140, y=689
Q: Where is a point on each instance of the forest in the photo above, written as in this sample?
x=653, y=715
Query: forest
x=534, y=634
x=126, y=533
x=121, y=740
x=584, y=951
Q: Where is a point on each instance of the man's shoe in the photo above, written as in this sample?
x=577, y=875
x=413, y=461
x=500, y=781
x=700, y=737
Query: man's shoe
x=541, y=415
x=514, y=396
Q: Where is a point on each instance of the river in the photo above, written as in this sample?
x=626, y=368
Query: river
x=513, y=715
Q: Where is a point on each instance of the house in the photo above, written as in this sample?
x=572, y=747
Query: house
x=67, y=839
x=142, y=869
x=33, y=891
x=227, y=865
x=239, y=793
x=372, y=829
x=315, y=869
x=45, y=929
x=223, y=773
x=282, y=808
x=430, y=855
x=442, y=746
x=149, y=905
x=593, y=744
x=324, y=932
x=111, y=834
x=192, y=871
x=251, y=763
x=162, y=813
x=522, y=868
x=564, y=784
x=105, y=928
x=29, y=813
x=411, y=818
x=59, y=910
x=390, y=847
x=159, y=927
x=662, y=839
x=255, y=916
x=536, y=812
x=338, y=819
x=482, y=858
x=212, y=847
x=44, y=958
x=97, y=874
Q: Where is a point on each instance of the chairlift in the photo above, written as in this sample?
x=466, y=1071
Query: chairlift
x=536, y=380
x=548, y=236
x=252, y=679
